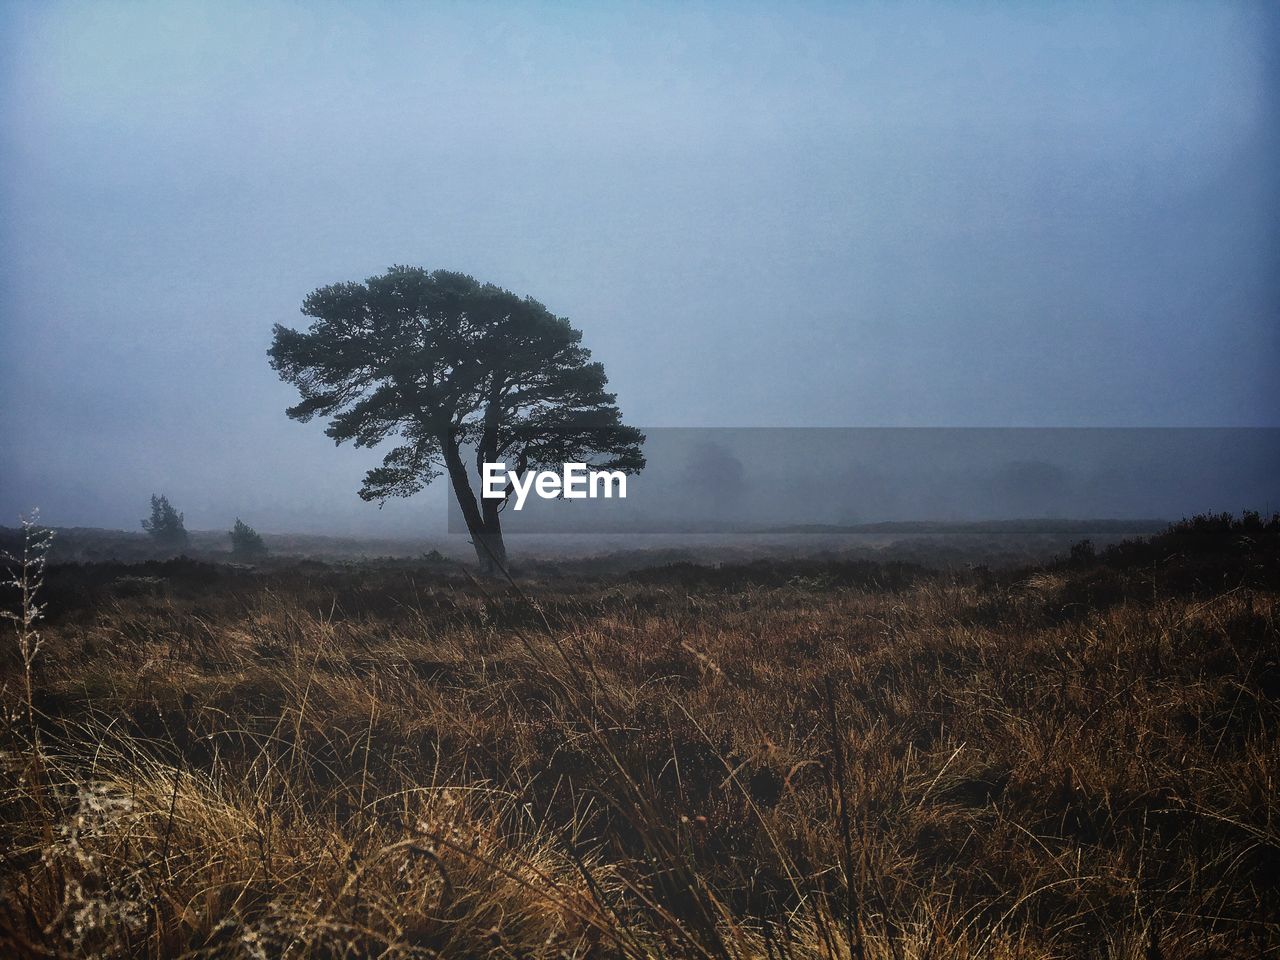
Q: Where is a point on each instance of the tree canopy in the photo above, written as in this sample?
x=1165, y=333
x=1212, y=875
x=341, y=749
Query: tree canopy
x=165, y=525
x=441, y=362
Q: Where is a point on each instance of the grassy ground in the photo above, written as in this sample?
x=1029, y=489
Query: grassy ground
x=767, y=760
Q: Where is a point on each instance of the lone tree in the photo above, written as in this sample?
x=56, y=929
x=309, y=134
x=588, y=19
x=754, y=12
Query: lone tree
x=445, y=363
x=165, y=524
x=246, y=543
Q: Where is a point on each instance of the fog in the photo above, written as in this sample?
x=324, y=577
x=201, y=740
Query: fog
x=814, y=216
x=821, y=480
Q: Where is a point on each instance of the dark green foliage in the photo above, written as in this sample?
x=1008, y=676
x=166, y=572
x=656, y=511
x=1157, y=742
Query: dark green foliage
x=442, y=362
x=165, y=525
x=246, y=544
x=1207, y=552
x=1204, y=535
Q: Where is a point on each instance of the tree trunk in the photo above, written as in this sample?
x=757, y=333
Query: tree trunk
x=490, y=540
x=482, y=521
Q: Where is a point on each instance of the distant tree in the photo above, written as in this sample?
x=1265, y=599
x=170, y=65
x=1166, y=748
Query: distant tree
x=443, y=362
x=246, y=544
x=165, y=524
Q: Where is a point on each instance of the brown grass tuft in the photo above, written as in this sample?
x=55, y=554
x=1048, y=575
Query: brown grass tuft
x=382, y=762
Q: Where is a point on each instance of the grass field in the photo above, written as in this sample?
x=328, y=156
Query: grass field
x=775, y=759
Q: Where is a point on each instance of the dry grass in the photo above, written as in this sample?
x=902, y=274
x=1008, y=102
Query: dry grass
x=383, y=762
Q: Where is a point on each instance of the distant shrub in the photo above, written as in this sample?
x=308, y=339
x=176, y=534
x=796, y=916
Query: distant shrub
x=1200, y=554
x=1083, y=553
x=1220, y=535
x=246, y=543
x=165, y=525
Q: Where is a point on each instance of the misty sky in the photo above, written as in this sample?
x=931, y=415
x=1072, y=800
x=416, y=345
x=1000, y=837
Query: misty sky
x=820, y=215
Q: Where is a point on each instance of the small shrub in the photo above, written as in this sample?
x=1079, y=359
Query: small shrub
x=246, y=543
